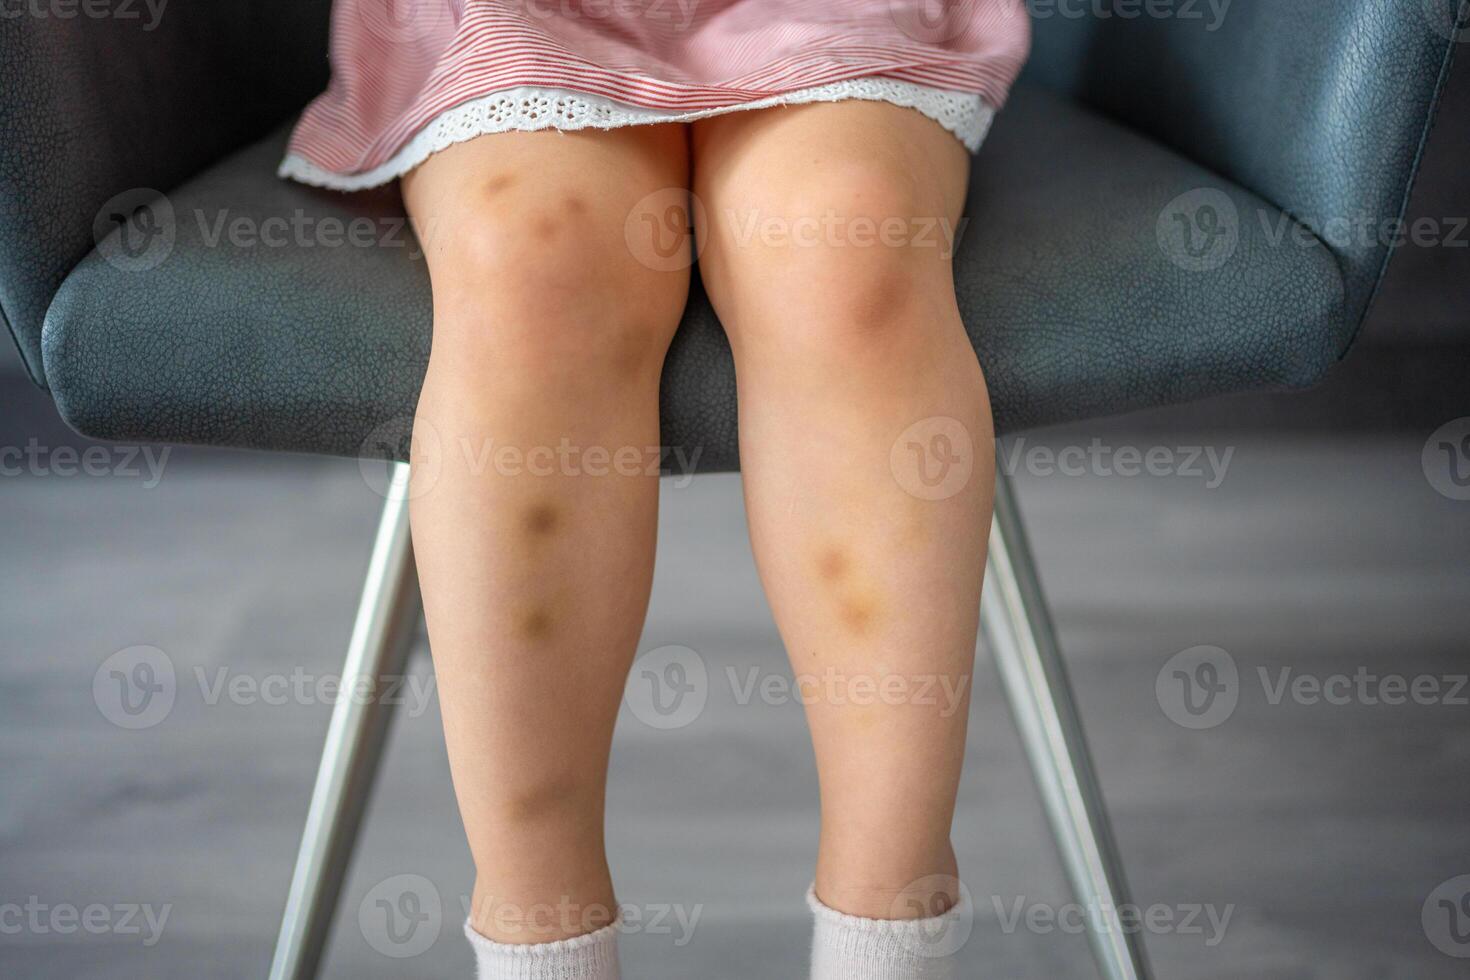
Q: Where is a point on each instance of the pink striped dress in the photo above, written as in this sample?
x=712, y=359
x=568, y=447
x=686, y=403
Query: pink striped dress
x=410, y=77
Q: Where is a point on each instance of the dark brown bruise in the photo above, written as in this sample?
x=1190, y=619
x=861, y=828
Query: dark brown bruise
x=536, y=624
x=541, y=520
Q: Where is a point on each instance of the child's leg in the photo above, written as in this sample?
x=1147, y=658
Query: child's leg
x=534, y=542
x=826, y=260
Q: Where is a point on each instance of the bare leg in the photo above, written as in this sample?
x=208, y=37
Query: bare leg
x=826, y=259
x=535, y=544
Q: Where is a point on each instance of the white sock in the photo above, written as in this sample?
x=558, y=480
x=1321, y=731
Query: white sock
x=848, y=947
x=590, y=957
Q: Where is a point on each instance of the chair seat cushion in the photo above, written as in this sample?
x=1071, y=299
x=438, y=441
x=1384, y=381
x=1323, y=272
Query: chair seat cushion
x=1098, y=272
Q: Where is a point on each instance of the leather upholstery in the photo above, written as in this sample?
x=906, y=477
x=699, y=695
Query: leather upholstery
x=1074, y=306
x=1319, y=106
x=90, y=106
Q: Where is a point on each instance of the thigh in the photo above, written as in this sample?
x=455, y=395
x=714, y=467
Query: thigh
x=853, y=205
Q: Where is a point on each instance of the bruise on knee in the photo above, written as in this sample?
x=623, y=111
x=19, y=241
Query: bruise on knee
x=500, y=183
x=549, y=224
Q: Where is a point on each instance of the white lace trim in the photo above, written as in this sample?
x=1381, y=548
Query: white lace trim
x=527, y=108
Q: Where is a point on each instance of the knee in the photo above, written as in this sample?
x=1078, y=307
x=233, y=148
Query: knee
x=841, y=260
x=541, y=287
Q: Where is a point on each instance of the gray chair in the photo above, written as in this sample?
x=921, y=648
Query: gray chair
x=1157, y=217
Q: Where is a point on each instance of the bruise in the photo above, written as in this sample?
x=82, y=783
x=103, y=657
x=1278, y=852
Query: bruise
x=857, y=608
x=550, y=224
x=535, y=624
x=539, y=800
x=832, y=565
x=541, y=520
x=499, y=184
x=858, y=613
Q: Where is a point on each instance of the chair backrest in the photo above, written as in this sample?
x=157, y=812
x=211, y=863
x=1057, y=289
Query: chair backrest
x=1319, y=106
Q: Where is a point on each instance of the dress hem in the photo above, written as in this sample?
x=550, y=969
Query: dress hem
x=532, y=108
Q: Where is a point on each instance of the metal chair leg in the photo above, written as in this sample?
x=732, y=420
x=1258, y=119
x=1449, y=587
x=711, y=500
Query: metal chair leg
x=1019, y=631
x=382, y=636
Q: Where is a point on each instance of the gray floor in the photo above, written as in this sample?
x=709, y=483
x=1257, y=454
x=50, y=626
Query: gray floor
x=1320, y=828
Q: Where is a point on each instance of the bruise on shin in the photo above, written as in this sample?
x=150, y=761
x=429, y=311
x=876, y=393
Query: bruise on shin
x=535, y=624
x=539, y=524
x=541, y=520
x=858, y=609
x=859, y=613
x=832, y=564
